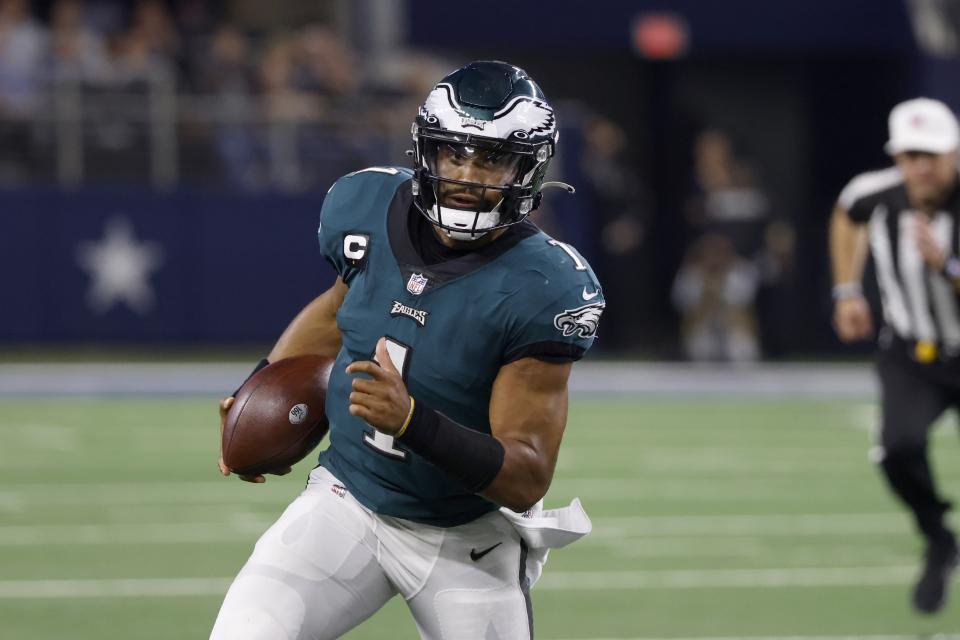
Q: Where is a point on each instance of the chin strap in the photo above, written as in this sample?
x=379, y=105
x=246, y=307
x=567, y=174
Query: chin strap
x=455, y=235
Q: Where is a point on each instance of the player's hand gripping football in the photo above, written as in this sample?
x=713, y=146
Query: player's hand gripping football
x=225, y=405
x=383, y=401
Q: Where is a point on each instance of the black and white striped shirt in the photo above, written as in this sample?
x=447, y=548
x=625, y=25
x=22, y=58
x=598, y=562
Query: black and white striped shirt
x=919, y=303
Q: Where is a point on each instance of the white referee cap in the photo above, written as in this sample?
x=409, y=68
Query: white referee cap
x=922, y=124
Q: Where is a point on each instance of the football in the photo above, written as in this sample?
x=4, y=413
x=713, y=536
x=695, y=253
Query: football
x=277, y=416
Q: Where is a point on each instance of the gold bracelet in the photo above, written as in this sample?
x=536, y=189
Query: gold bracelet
x=406, y=423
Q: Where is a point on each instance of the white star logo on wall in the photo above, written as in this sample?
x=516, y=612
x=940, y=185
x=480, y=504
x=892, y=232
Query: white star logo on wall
x=119, y=268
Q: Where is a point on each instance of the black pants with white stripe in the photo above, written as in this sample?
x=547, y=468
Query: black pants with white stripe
x=914, y=396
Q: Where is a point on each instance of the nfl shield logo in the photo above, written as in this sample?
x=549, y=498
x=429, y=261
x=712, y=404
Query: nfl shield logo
x=416, y=284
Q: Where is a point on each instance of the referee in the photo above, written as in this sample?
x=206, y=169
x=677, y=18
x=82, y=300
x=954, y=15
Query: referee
x=908, y=217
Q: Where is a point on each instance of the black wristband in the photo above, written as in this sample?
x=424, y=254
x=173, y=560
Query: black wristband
x=260, y=365
x=471, y=457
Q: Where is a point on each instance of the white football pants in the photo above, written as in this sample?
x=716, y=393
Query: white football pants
x=329, y=563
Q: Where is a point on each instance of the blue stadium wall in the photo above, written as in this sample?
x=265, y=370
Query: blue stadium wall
x=223, y=267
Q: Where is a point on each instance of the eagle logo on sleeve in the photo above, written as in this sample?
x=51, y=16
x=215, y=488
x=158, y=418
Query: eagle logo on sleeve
x=581, y=321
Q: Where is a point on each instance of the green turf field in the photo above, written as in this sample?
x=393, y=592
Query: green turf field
x=711, y=518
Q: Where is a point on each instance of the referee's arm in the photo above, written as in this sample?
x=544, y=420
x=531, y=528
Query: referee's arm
x=848, y=254
x=936, y=258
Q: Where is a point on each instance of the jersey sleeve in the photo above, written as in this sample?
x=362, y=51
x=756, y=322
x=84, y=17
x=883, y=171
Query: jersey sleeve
x=330, y=232
x=352, y=212
x=558, y=326
x=853, y=201
x=858, y=197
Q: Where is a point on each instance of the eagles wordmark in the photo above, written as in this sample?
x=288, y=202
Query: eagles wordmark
x=418, y=315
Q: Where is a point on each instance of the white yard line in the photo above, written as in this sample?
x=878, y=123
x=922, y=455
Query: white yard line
x=790, y=524
x=144, y=534
x=692, y=528
x=937, y=636
x=226, y=490
x=701, y=490
x=558, y=581
x=725, y=578
x=113, y=588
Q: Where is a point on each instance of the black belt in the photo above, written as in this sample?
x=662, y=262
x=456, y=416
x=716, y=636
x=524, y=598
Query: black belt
x=920, y=351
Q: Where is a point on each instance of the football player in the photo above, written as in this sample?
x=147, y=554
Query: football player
x=454, y=322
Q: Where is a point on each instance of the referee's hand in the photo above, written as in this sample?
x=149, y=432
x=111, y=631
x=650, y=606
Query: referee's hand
x=928, y=246
x=851, y=319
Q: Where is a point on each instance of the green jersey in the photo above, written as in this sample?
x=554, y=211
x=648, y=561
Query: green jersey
x=450, y=326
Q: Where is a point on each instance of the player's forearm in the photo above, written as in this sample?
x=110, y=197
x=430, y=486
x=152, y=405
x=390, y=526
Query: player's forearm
x=848, y=248
x=523, y=479
x=512, y=473
x=314, y=329
x=528, y=414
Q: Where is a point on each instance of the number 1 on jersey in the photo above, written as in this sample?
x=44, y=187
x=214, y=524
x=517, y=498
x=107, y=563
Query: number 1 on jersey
x=381, y=441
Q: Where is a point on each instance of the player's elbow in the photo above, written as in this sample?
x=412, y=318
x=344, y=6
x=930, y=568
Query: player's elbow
x=524, y=478
x=524, y=495
x=527, y=502
x=520, y=504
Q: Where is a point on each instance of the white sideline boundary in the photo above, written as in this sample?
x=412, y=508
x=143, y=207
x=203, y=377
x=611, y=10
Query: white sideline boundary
x=556, y=581
x=588, y=379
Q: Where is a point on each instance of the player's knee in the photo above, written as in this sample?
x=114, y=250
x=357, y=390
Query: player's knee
x=251, y=624
x=468, y=614
x=897, y=455
x=259, y=608
x=896, y=449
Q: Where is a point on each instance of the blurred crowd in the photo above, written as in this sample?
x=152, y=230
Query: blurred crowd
x=238, y=92
x=733, y=284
